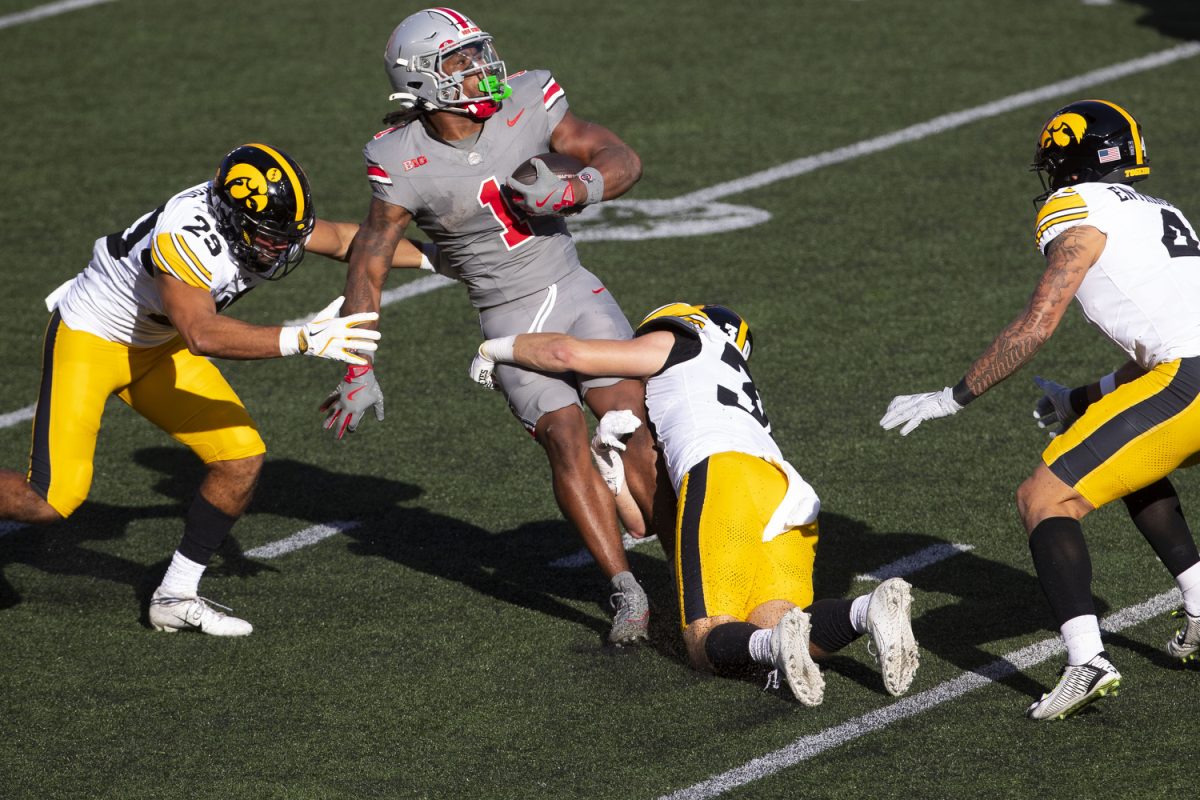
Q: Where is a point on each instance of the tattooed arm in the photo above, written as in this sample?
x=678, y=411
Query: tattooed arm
x=371, y=255
x=1068, y=258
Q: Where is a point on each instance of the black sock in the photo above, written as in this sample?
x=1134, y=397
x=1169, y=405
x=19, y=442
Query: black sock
x=728, y=646
x=204, y=529
x=1157, y=513
x=1063, y=566
x=831, y=628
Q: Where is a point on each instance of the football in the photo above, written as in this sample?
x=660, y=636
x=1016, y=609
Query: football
x=560, y=164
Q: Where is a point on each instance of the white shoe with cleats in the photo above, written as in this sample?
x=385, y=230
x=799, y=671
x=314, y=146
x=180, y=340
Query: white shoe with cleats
x=1077, y=687
x=1186, y=643
x=790, y=655
x=170, y=614
x=889, y=622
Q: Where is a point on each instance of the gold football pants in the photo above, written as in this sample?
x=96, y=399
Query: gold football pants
x=1133, y=436
x=179, y=392
x=722, y=565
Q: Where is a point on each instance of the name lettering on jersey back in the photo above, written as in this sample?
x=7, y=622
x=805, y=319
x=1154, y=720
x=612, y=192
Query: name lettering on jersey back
x=1126, y=194
x=413, y=163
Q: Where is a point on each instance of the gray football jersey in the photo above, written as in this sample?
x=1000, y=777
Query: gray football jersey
x=456, y=196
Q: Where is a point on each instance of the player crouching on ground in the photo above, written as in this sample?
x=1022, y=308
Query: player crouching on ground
x=140, y=321
x=746, y=525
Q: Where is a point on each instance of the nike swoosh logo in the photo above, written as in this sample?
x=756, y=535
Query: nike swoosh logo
x=546, y=199
x=350, y=395
x=513, y=121
x=598, y=291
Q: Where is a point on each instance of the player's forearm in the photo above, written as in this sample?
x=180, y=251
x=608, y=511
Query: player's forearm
x=621, y=168
x=1007, y=353
x=225, y=337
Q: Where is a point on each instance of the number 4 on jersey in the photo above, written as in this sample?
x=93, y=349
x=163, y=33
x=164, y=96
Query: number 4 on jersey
x=1178, y=238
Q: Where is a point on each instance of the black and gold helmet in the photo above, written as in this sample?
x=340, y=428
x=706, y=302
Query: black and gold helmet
x=1090, y=140
x=735, y=327
x=263, y=208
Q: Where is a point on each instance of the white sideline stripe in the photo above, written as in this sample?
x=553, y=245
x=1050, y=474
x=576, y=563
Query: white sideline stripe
x=942, y=124
x=807, y=747
x=916, y=561
x=48, y=10
x=810, y=163
x=301, y=539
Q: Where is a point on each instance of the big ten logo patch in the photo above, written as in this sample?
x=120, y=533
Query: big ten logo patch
x=413, y=163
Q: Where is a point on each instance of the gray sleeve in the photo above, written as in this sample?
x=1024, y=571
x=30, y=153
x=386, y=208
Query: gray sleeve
x=385, y=185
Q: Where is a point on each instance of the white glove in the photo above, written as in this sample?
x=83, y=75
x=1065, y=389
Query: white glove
x=490, y=351
x=608, y=441
x=331, y=336
x=1054, y=407
x=913, y=409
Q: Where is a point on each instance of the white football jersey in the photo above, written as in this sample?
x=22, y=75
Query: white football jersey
x=116, y=298
x=704, y=401
x=1144, y=291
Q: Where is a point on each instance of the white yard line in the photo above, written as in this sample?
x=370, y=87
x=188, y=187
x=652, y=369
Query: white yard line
x=301, y=539
x=807, y=164
x=917, y=561
x=807, y=747
x=48, y=10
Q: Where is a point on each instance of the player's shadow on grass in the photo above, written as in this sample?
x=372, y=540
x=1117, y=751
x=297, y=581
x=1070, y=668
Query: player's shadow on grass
x=1176, y=18
x=511, y=566
x=969, y=601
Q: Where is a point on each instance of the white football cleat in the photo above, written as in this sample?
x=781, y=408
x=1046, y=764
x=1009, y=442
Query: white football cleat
x=789, y=653
x=170, y=614
x=889, y=621
x=1077, y=687
x=1186, y=643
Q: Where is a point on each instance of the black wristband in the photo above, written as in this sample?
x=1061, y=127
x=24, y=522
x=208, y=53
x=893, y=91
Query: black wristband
x=963, y=395
x=1079, y=400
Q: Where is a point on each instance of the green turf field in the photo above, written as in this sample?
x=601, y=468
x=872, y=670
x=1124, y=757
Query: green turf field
x=431, y=649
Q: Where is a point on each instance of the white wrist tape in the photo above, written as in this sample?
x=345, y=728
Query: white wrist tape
x=499, y=350
x=1108, y=383
x=289, y=340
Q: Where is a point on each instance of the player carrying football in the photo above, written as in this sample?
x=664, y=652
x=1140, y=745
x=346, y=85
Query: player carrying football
x=1133, y=263
x=463, y=127
x=141, y=321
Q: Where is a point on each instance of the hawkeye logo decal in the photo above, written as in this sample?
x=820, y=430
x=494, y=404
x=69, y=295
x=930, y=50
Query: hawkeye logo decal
x=1064, y=130
x=248, y=186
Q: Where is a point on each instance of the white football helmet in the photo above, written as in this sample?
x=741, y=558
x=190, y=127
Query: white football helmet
x=431, y=52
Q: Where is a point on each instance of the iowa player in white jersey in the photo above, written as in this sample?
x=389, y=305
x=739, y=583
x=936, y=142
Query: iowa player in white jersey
x=1133, y=263
x=140, y=320
x=746, y=525
x=463, y=126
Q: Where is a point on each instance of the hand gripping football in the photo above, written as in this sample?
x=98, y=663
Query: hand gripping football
x=561, y=164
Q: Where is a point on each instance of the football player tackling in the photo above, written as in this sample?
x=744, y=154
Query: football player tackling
x=746, y=526
x=1133, y=263
x=140, y=321
x=463, y=127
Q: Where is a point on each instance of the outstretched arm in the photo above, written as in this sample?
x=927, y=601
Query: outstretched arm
x=336, y=240
x=1068, y=258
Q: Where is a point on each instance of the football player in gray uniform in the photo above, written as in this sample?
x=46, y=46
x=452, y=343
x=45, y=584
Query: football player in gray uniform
x=463, y=127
